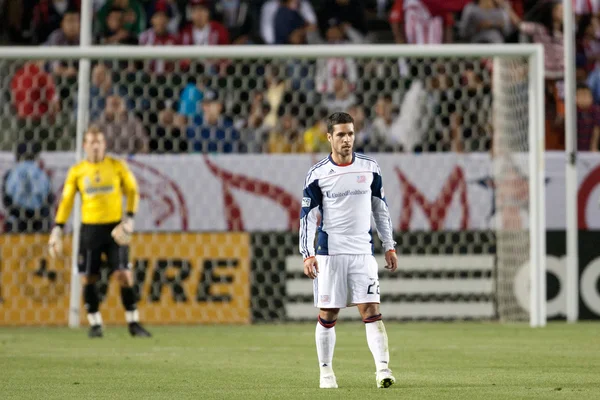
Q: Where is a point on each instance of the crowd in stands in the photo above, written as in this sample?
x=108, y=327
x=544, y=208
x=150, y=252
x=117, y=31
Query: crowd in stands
x=261, y=106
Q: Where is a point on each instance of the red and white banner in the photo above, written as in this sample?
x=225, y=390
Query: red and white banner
x=262, y=192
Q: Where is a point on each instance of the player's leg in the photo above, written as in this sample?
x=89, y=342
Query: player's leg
x=118, y=257
x=330, y=294
x=89, y=271
x=364, y=292
x=325, y=339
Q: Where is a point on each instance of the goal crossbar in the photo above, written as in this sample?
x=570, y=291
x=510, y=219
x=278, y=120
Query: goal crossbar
x=270, y=52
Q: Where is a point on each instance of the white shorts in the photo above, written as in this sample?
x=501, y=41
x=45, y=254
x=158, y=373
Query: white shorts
x=346, y=280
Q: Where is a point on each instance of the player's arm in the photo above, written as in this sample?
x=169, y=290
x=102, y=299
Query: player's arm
x=62, y=215
x=383, y=222
x=122, y=232
x=311, y=200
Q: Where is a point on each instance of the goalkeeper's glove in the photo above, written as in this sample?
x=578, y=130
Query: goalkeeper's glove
x=55, y=244
x=122, y=232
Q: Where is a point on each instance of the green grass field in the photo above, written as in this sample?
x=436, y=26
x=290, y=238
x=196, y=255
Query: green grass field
x=430, y=361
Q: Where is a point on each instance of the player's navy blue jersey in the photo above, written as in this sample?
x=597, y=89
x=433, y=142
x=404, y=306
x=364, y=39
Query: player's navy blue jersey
x=347, y=197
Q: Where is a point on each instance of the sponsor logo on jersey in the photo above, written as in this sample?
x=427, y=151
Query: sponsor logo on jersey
x=90, y=189
x=346, y=193
x=306, y=202
x=331, y=171
x=361, y=179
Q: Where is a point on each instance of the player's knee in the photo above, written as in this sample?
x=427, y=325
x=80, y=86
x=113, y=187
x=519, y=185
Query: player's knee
x=328, y=317
x=124, y=277
x=89, y=279
x=370, y=313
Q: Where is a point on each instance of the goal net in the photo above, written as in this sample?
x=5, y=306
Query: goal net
x=220, y=148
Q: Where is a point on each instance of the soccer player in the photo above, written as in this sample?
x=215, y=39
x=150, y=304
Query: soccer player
x=346, y=189
x=101, y=180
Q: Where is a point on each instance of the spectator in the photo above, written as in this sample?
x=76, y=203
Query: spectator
x=190, y=101
x=588, y=53
x=289, y=25
x=363, y=131
x=486, y=21
x=173, y=11
x=315, y=138
x=270, y=8
x=342, y=96
x=202, y=31
x=124, y=132
x=27, y=193
x=588, y=120
x=328, y=69
x=115, y=32
x=66, y=35
x=16, y=20
x=33, y=92
x=424, y=21
x=47, y=17
x=548, y=32
x=135, y=17
x=101, y=88
x=287, y=136
x=158, y=35
x=238, y=17
x=255, y=126
x=339, y=12
x=274, y=95
x=383, y=121
x=168, y=132
x=68, y=32
x=216, y=133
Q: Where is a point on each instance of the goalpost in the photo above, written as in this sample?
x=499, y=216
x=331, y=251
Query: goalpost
x=517, y=134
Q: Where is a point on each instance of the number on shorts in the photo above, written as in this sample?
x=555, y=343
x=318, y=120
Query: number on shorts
x=369, y=289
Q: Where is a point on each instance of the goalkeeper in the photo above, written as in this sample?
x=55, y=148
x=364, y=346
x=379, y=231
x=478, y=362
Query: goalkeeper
x=102, y=181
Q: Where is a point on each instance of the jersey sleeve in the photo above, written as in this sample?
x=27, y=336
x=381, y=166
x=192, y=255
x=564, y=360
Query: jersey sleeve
x=381, y=214
x=68, y=197
x=312, y=202
x=130, y=188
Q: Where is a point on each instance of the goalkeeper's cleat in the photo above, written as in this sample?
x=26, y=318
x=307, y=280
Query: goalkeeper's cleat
x=385, y=379
x=135, y=329
x=328, y=382
x=95, y=331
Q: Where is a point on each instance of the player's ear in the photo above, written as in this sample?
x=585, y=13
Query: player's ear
x=329, y=136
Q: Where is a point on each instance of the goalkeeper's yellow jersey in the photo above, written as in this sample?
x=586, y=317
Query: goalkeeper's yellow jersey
x=102, y=186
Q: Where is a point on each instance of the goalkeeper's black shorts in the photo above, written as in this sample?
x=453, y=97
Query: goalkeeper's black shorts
x=96, y=240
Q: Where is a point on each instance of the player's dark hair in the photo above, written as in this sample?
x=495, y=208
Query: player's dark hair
x=338, y=118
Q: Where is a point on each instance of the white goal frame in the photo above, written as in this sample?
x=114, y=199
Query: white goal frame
x=533, y=52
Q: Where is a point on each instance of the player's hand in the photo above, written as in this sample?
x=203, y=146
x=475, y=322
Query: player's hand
x=55, y=244
x=311, y=268
x=123, y=232
x=391, y=260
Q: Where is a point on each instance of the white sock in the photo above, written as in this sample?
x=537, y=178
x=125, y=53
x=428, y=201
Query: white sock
x=325, y=338
x=378, y=344
x=132, y=316
x=95, y=318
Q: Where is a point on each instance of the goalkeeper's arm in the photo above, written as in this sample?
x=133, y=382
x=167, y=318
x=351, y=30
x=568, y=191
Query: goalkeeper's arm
x=55, y=244
x=123, y=232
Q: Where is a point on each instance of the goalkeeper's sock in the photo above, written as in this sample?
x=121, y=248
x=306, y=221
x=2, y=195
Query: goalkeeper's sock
x=92, y=304
x=129, y=303
x=325, y=338
x=378, y=341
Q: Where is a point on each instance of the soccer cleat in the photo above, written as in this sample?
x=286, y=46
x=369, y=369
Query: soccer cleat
x=135, y=329
x=95, y=331
x=328, y=382
x=385, y=379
